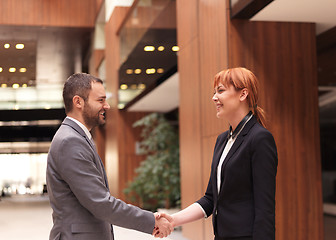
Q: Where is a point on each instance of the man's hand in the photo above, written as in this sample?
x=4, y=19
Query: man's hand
x=163, y=227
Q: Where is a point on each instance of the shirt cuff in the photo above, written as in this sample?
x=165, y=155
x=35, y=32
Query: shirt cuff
x=205, y=215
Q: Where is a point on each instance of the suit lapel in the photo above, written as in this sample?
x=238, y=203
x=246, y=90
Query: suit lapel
x=98, y=159
x=236, y=145
x=99, y=162
x=218, y=153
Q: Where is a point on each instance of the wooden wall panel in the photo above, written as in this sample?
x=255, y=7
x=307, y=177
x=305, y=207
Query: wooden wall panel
x=128, y=158
x=213, y=59
x=120, y=157
x=113, y=121
x=187, y=22
x=283, y=56
x=190, y=134
x=60, y=13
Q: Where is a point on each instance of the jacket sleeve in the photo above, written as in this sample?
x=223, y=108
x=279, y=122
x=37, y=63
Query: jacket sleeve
x=77, y=167
x=207, y=202
x=264, y=168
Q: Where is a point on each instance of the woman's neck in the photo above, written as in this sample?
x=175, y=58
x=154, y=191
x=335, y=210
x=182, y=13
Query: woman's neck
x=236, y=119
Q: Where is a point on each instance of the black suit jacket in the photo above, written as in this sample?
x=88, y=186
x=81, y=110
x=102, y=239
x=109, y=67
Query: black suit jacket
x=245, y=205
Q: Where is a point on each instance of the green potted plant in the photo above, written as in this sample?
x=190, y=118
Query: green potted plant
x=157, y=183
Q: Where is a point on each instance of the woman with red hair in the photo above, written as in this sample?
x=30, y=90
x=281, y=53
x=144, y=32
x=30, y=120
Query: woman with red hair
x=241, y=190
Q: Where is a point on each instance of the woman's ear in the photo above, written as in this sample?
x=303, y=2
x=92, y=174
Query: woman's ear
x=243, y=94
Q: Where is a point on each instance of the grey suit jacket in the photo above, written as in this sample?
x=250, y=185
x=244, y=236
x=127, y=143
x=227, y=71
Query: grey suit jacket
x=78, y=190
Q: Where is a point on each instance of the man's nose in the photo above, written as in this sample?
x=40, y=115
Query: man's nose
x=106, y=106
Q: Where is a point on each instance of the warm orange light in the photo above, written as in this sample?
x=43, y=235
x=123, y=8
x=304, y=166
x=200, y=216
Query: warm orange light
x=137, y=71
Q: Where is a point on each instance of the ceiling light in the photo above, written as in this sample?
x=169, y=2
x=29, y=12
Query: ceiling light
x=141, y=86
x=12, y=69
x=4, y=85
x=19, y=46
x=137, y=71
x=129, y=71
x=47, y=107
x=16, y=107
x=133, y=86
x=23, y=70
x=160, y=70
x=1, y=69
x=123, y=86
x=121, y=106
x=6, y=45
x=149, y=48
x=15, y=85
x=161, y=48
x=24, y=85
x=175, y=48
x=150, y=70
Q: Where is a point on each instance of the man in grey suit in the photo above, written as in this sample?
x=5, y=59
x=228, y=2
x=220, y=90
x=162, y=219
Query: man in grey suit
x=77, y=184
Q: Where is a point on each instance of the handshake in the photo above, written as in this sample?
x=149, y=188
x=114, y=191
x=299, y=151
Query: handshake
x=164, y=225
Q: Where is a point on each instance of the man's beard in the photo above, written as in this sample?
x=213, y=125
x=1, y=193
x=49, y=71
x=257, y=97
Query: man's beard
x=89, y=119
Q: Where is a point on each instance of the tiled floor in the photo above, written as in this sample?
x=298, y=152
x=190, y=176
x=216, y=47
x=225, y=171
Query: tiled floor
x=30, y=219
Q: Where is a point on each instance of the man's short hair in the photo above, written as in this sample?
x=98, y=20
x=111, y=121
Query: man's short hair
x=77, y=84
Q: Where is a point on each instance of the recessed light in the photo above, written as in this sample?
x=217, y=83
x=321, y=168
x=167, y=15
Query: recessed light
x=6, y=45
x=15, y=85
x=23, y=70
x=129, y=71
x=141, y=86
x=12, y=69
x=137, y=71
x=4, y=85
x=160, y=70
x=161, y=48
x=150, y=70
x=1, y=69
x=19, y=46
x=123, y=86
x=149, y=48
x=175, y=48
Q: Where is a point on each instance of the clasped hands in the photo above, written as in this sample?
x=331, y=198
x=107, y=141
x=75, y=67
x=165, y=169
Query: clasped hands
x=164, y=225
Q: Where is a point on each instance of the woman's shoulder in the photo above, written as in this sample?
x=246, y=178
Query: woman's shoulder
x=258, y=132
x=223, y=135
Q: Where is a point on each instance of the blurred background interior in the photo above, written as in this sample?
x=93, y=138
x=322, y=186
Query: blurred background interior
x=159, y=56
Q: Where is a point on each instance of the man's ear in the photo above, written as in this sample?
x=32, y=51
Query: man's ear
x=243, y=94
x=77, y=101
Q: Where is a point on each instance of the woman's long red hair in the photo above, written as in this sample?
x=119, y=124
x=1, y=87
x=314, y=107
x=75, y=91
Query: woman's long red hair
x=241, y=78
